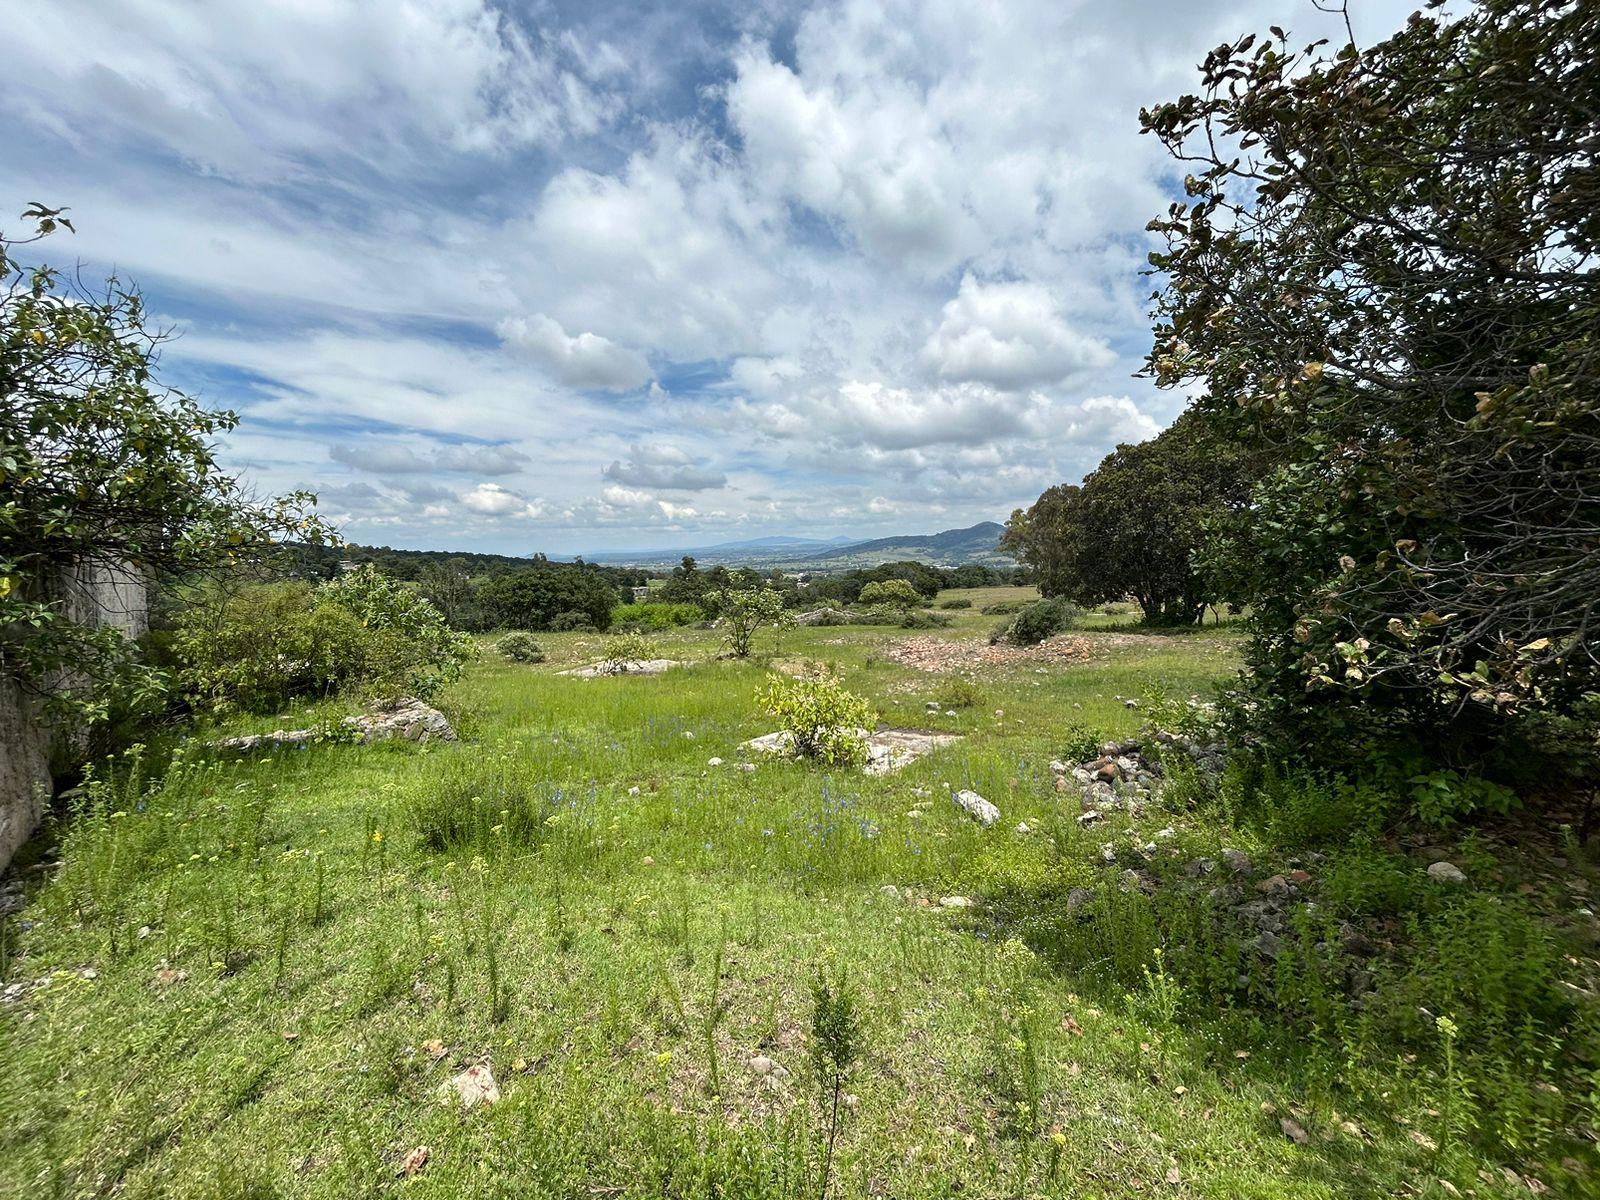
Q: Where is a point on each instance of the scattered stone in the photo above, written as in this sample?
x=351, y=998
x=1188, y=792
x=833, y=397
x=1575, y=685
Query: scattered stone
x=404, y=718
x=1274, y=885
x=1130, y=704
x=890, y=891
x=1167, y=834
x=414, y=1161
x=1237, y=861
x=1078, y=897
x=633, y=791
x=1057, y=767
x=688, y=735
x=1298, y=877
x=1268, y=943
x=625, y=666
x=957, y=902
x=1088, y=818
x=1294, y=1131
x=474, y=1086
x=976, y=807
x=1200, y=867
x=888, y=750
x=1446, y=872
x=713, y=762
x=747, y=767
x=1024, y=827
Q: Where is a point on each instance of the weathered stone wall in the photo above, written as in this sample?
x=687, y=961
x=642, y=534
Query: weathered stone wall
x=93, y=593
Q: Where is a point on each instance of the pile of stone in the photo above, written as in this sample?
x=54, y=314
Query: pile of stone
x=405, y=718
x=1123, y=776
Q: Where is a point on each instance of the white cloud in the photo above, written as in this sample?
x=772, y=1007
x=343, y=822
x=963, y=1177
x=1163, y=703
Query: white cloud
x=1010, y=336
x=492, y=500
x=583, y=360
x=661, y=466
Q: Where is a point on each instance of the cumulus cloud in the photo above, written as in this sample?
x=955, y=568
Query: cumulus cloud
x=1010, y=336
x=872, y=258
x=492, y=500
x=660, y=466
x=584, y=360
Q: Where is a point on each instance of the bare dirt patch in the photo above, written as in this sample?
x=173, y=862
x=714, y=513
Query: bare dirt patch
x=927, y=653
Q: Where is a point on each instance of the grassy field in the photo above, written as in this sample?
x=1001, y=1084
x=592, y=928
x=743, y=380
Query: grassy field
x=255, y=979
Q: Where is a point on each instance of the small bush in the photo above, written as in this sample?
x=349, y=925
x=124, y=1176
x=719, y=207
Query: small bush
x=627, y=648
x=826, y=722
x=519, y=646
x=955, y=604
x=917, y=618
x=742, y=611
x=1038, y=621
x=957, y=691
x=1003, y=608
x=572, y=622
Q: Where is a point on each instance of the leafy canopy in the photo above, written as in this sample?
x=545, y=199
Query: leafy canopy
x=1384, y=280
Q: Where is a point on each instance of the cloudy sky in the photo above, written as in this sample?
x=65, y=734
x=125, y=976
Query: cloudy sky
x=516, y=276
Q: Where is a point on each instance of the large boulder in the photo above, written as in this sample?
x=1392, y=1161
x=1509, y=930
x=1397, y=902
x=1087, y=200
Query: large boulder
x=405, y=718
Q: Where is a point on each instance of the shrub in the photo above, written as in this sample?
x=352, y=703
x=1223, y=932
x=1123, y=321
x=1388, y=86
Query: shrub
x=537, y=599
x=1003, y=608
x=1039, y=621
x=572, y=622
x=962, y=603
x=916, y=618
x=896, y=592
x=257, y=649
x=655, y=617
x=625, y=648
x=957, y=691
x=519, y=646
x=826, y=722
x=743, y=611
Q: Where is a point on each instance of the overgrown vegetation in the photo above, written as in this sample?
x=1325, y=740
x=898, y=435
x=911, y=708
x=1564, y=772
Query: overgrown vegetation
x=254, y=649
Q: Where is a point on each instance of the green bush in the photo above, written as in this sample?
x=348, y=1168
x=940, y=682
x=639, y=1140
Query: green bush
x=572, y=622
x=895, y=592
x=259, y=648
x=656, y=617
x=625, y=648
x=1003, y=608
x=963, y=603
x=539, y=598
x=519, y=646
x=1038, y=621
x=957, y=691
x=826, y=722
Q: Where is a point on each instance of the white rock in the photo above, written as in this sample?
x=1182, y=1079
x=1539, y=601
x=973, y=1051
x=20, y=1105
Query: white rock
x=1167, y=834
x=713, y=762
x=1024, y=827
x=1446, y=872
x=957, y=902
x=747, y=767
x=976, y=807
x=890, y=891
x=1057, y=767
x=633, y=791
x=474, y=1086
x=688, y=735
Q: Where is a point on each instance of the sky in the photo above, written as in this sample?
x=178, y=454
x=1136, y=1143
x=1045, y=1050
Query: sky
x=517, y=276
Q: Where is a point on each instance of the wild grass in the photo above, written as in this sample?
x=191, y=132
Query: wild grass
x=250, y=977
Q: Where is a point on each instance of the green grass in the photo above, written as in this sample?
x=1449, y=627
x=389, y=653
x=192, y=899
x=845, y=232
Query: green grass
x=257, y=976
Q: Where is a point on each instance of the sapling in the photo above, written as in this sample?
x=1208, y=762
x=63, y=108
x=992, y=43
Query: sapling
x=835, y=1050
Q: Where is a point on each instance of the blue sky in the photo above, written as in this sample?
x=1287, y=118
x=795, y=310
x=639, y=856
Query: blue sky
x=561, y=277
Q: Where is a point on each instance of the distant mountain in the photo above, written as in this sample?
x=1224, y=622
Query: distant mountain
x=977, y=544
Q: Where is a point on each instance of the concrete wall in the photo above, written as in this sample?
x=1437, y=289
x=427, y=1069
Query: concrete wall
x=92, y=593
